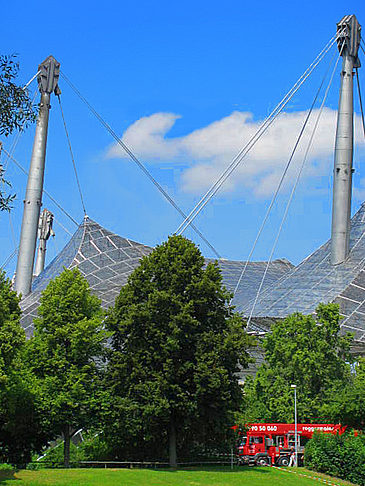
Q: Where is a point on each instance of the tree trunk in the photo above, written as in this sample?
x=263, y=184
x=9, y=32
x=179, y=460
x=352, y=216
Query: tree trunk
x=172, y=444
x=66, y=446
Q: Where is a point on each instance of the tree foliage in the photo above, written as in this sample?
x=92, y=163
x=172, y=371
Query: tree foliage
x=5, y=199
x=16, y=111
x=304, y=350
x=12, y=336
x=19, y=425
x=65, y=354
x=16, y=107
x=176, y=348
x=348, y=400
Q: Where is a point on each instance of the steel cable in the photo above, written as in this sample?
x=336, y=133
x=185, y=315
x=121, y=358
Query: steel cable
x=71, y=153
x=10, y=257
x=45, y=192
x=248, y=146
x=137, y=161
x=361, y=47
x=62, y=226
x=360, y=100
x=10, y=154
x=17, y=137
x=281, y=181
x=295, y=185
x=31, y=80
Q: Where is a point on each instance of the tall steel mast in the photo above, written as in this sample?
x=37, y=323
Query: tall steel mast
x=47, y=82
x=349, y=36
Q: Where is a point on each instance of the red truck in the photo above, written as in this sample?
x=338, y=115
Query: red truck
x=272, y=444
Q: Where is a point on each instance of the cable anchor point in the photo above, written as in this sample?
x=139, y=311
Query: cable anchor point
x=349, y=37
x=49, y=73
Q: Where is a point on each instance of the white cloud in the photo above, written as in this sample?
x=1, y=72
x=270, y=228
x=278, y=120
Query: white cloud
x=207, y=151
x=146, y=138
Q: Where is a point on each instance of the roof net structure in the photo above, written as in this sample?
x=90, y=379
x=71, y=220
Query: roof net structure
x=315, y=280
x=106, y=260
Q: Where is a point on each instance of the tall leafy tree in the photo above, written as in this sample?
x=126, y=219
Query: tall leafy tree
x=176, y=347
x=22, y=432
x=304, y=350
x=16, y=110
x=348, y=402
x=65, y=355
x=12, y=336
x=19, y=426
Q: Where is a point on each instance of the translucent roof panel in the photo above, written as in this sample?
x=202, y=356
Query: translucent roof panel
x=251, y=277
x=315, y=280
x=106, y=260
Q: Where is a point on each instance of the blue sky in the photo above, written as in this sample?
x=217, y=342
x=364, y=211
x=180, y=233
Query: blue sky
x=184, y=83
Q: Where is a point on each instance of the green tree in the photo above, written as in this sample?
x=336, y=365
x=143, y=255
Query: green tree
x=176, y=349
x=348, y=403
x=22, y=433
x=65, y=356
x=16, y=107
x=19, y=431
x=16, y=111
x=12, y=336
x=304, y=350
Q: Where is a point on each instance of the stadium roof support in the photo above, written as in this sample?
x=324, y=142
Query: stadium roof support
x=47, y=82
x=349, y=36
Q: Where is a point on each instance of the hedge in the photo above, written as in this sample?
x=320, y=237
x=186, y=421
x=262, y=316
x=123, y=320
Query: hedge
x=342, y=456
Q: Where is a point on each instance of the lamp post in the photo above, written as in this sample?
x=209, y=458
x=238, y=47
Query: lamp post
x=296, y=424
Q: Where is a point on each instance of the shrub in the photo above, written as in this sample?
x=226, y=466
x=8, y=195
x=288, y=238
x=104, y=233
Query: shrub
x=338, y=455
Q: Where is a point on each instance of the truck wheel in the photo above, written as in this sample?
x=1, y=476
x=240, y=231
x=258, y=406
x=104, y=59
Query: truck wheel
x=283, y=461
x=262, y=461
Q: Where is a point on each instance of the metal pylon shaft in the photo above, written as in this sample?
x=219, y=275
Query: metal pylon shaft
x=47, y=81
x=348, y=42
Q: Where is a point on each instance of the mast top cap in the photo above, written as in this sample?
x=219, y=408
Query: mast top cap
x=49, y=73
x=349, y=37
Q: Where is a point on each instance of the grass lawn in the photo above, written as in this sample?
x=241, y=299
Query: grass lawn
x=138, y=477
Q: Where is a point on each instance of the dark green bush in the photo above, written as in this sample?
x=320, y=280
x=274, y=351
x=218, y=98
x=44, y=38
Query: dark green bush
x=342, y=456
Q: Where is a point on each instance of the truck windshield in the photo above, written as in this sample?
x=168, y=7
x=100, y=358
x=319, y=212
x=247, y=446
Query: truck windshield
x=256, y=440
